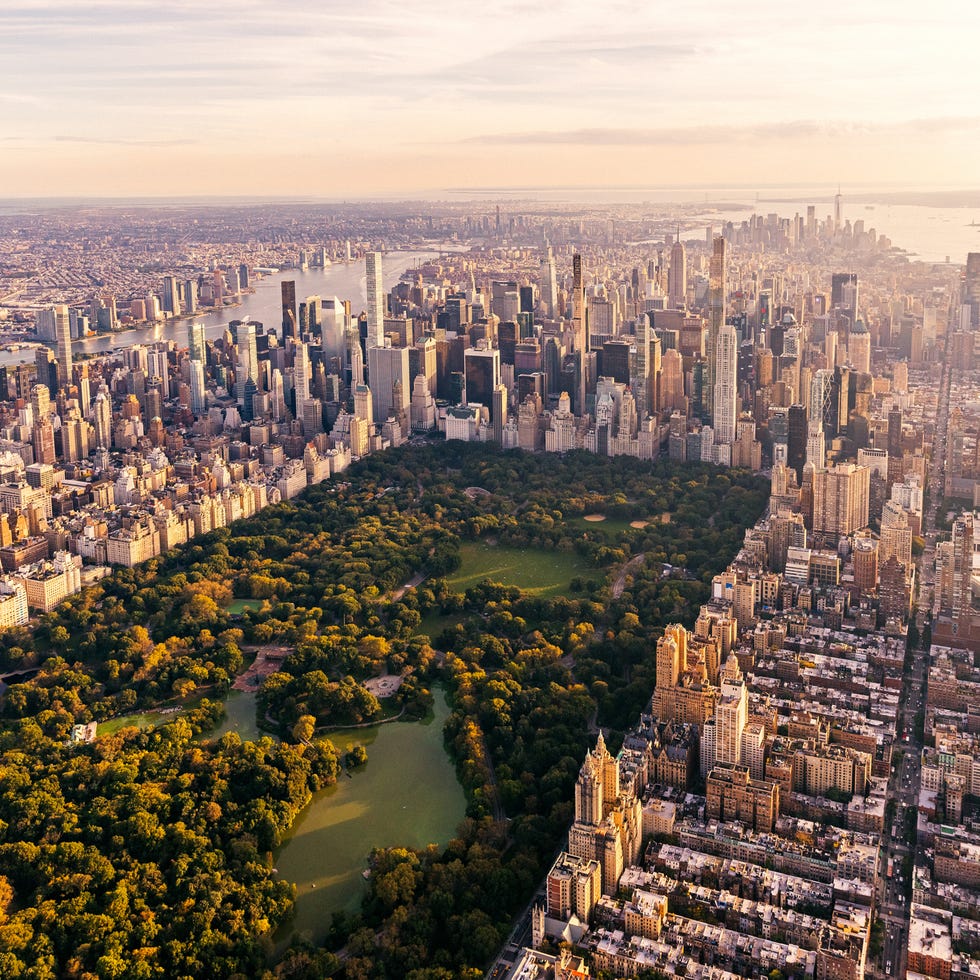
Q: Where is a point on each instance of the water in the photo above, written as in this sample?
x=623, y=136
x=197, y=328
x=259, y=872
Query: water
x=239, y=717
x=406, y=795
x=348, y=281
x=932, y=234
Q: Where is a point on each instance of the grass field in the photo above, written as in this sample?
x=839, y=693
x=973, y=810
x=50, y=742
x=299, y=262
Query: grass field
x=542, y=573
x=610, y=526
x=434, y=623
x=238, y=606
x=142, y=720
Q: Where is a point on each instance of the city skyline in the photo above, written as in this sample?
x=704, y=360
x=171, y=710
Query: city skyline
x=125, y=97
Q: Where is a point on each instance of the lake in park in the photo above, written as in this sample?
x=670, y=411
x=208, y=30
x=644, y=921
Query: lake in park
x=407, y=794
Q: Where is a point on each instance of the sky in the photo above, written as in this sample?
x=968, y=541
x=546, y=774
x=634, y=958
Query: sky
x=380, y=98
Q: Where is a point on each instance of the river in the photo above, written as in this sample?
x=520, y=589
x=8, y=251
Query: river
x=407, y=794
x=346, y=280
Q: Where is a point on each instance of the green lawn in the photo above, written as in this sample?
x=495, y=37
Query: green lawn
x=143, y=720
x=543, y=573
x=433, y=623
x=610, y=526
x=238, y=606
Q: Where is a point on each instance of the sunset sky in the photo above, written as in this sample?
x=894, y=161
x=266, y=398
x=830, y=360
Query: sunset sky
x=126, y=97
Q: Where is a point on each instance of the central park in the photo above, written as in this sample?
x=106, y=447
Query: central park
x=516, y=599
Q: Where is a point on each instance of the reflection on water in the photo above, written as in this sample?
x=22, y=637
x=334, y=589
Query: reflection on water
x=407, y=794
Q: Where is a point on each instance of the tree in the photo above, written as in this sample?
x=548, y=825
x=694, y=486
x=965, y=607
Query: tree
x=304, y=728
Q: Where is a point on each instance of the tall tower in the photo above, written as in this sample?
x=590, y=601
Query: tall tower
x=678, y=275
x=716, y=313
x=332, y=326
x=196, y=342
x=725, y=409
x=171, y=297
x=198, y=392
x=288, y=293
x=731, y=713
x=588, y=794
x=102, y=411
x=580, y=327
x=301, y=376
x=838, y=214
x=963, y=546
x=62, y=332
x=549, y=283
x=375, y=300
x=640, y=367
x=671, y=656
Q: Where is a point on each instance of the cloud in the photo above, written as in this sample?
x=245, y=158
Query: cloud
x=703, y=135
x=95, y=141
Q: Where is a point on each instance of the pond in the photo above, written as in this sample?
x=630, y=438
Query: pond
x=407, y=794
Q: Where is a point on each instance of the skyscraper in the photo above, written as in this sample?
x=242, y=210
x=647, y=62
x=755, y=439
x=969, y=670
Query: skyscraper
x=958, y=600
x=332, y=325
x=375, y=303
x=171, y=297
x=196, y=342
x=301, y=376
x=725, y=408
x=288, y=293
x=549, y=283
x=482, y=368
x=198, y=391
x=841, y=499
x=386, y=365
x=844, y=298
x=579, y=328
x=102, y=418
x=731, y=713
x=678, y=275
x=716, y=314
x=62, y=329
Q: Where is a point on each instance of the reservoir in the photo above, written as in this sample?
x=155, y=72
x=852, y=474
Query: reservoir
x=406, y=795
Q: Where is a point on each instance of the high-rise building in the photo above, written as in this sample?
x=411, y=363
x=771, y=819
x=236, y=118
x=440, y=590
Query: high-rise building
x=841, y=499
x=198, y=391
x=196, y=341
x=375, y=303
x=731, y=713
x=725, y=409
x=62, y=327
x=844, y=297
x=386, y=365
x=971, y=288
x=333, y=323
x=190, y=296
x=579, y=328
x=859, y=348
x=248, y=354
x=171, y=297
x=957, y=596
x=796, y=439
x=895, y=433
x=816, y=444
x=482, y=370
x=301, y=376
x=289, y=314
x=672, y=381
x=716, y=314
x=102, y=417
x=677, y=288
x=549, y=283
x=896, y=535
